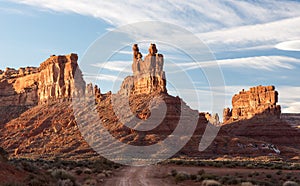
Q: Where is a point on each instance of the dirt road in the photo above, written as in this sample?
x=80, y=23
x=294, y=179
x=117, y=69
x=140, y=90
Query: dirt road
x=137, y=176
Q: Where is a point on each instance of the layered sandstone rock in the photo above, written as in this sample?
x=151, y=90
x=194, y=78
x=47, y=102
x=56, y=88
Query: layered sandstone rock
x=260, y=101
x=54, y=79
x=19, y=87
x=57, y=78
x=148, y=75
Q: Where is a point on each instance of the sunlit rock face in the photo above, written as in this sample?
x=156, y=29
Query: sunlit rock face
x=57, y=78
x=148, y=75
x=54, y=79
x=260, y=101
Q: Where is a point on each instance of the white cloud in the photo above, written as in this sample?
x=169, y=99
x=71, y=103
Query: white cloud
x=289, y=45
x=258, y=62
x=222, y=25
x=119, y=66
x=194, y=15
x=289, y=98
x=292, y=108
x=258, y=35
x=92, y=78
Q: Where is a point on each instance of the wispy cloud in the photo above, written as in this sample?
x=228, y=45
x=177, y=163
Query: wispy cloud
x=258, y=62
x=268, y=63
x=223, y=25
x=119, y=66
x=289, y=98
x=289, y=45
x=258, y=35
x=106, y=77
x=189, y=14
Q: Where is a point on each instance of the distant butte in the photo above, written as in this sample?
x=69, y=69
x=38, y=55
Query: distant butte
x=260, y=101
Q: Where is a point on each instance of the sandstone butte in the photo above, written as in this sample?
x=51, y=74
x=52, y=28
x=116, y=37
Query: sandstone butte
x=259, y=101
x=37, y=119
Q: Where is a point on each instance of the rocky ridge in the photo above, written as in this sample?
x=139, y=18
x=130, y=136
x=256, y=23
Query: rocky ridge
x=48, y=128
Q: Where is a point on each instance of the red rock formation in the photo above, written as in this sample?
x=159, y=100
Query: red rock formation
x=18, y=87
x=49, y=130
x=57, y=78
x=259, y=101
x=148, y=75
x=54, y=79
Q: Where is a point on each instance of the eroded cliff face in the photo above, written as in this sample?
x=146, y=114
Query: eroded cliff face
x=19, y=87
x=148, y=75
x=54, y=79
x=57, y=78
x=259, y=102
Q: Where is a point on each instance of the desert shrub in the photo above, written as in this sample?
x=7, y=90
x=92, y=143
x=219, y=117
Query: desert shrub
x=174, y=172
x=181, y=177
x=13, y=183
x=66, y=182
x=61, y=174
x=279, y=172
x=218, y=164
x=200, y=172
x=246, y=184
x=87, y=171
x=256, y=173
x=290, y=183
x=232, y=181
x=231, y=165
x=30, y=167
x=250, y=166
x=288, y=176
x=179, y=162
x=264, y=183
x=211, y=183
x=224, y=179
x=36, y=182
x=90, y=182
x=198, y=178
x=78, y=171
x=269, y=176
x=193, y=177
x=206, y=176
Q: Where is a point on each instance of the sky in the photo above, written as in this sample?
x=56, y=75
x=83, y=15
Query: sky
x=251, y=42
